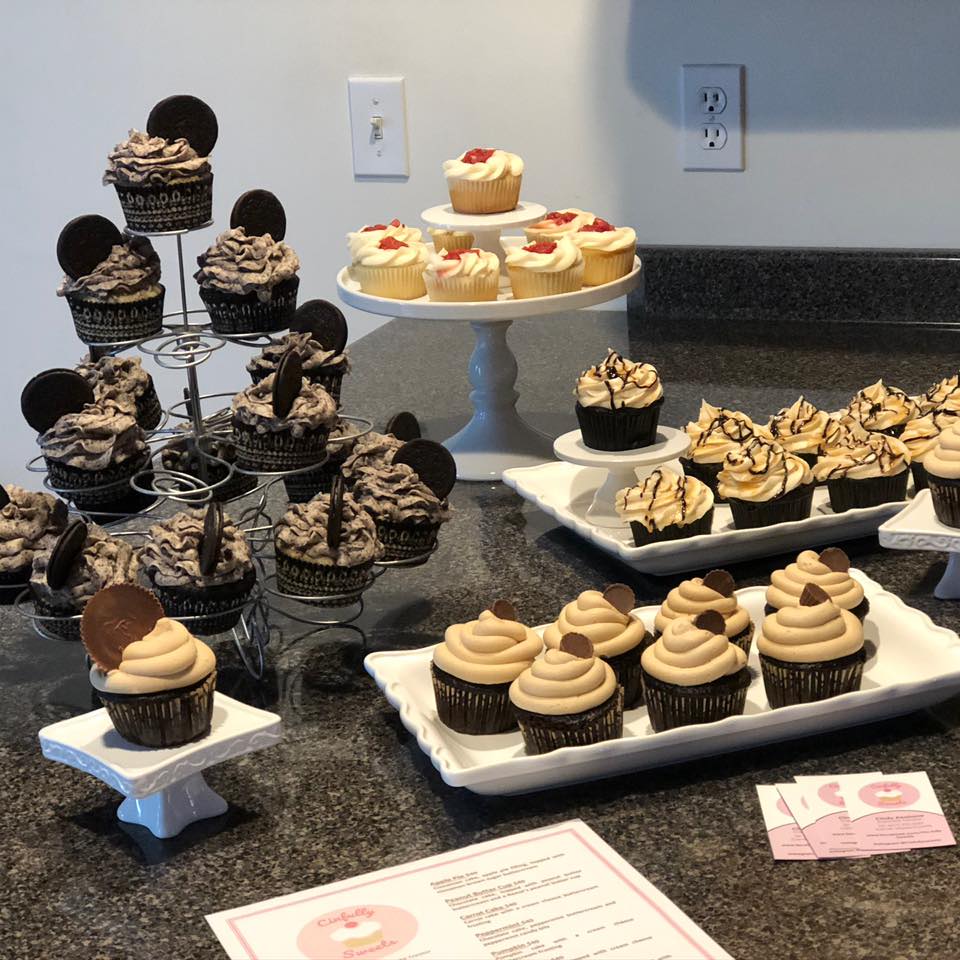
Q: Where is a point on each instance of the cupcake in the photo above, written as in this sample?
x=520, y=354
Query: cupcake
x=557, y=223
x=617, y=637
x=665, y=506
x=545, y=268
x=198, y=564
x=117, y=378
x=484, y=181
x=829, y=570
x=811, y=651
x=181, y=455
x=882, y=408
x=451, y=240
x=391, y=268
x=370, y=452
x=319, y=364
x=799, y=429
x=608, y=251
x=942, y=464
x=943, y=395
x=372, y=234
x=473, y=668
x=30, y=524
x=154, y=678
x=567, y=698
x=462, y=276
x=694, y=674
x=865, y=474
x=715, y=433
x=715, y=591
x=618, y=404
x=765, y=485
x=920, y=436
x=302, y=487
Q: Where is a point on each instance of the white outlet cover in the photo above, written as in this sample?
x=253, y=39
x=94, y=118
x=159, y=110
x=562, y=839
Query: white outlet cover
x=694, y=79
x=382, y=97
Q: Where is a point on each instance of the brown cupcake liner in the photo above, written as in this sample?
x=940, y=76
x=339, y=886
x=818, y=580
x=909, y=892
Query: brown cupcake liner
x=213, y=604
x=63, y=627
x=401, y=541
x=304, y=579
x=104, y=321
x=169, y=718
x=860, y=611
x=234, y=313
x=108, y=490
x=793, y=505
x=670, y=705
x=159, y=207
x=849, y=494
x=474, y=708
x=946, y=499
x=626, y=666
x=789, y=683
x=642, y=537
x=274, y=451
x=545, y=732
x=626, y=428
x=919, y=472
x=706, y=473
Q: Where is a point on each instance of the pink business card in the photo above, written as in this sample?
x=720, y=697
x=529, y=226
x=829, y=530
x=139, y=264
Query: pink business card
x=786, y=839
x=820, y=813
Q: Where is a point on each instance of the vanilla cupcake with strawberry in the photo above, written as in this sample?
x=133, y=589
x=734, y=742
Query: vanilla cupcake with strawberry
x=484, y=180
x=462, y=276
x=608, y=251
x=391, y=268
x=544, y=268
x=373, y=233
x=557, y=223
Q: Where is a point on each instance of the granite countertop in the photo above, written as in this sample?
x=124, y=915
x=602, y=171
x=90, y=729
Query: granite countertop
x=348, y=791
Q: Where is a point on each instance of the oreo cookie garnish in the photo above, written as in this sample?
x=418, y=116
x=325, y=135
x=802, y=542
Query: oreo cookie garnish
x=185, y=116
x=64, y=554
x=335, y=516
x=4, y=497
x=86, y=242
x=115, y=617
x=836, y=559
x=577, y=645
x=404, y=426
x=503, y=610
x=432, y=462
x=259, y=212
x=287, y=382
x=620, y=597
x=720, y=582
x=813, y=595
x=51, y=394
x=711, y=620
x=211, y=539
x=323, y=321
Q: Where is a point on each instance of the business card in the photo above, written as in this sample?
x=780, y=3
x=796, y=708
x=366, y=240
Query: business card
x=787, y=841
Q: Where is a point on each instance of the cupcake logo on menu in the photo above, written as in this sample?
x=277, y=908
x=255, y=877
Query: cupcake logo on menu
x=889, y=793
x=361, y=931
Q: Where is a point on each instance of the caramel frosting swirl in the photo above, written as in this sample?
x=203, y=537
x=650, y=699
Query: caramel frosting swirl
x=810, y=634
x=238, y=264
x=760, y=471
x=692, y=597
x=610, y=631
x=145, y=159
x=565, y=254
x=561, y=684
x=29, y=524
x=617, y=382
x=313, y=408
x=314, y=358
x=877, y=456
x=114, y=378
x=920, y=434
x=167, y=658
x=498, y=165
x=130, y=272
x=371, y=451
x=394, y=492
x=716, y=432
x=944, y=459
x=879, y=407
x=371, y=235
x=301, y=533
x=487, y=650
x=799, y=427
x=842, y=432
x=687, y=656
x=786, y=585
x=945, y=394
x=100, y=434
x=664, y=499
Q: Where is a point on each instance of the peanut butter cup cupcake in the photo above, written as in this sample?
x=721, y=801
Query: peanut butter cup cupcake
x=865, y=473
x=942, y=465
x=666, y=506
x=715, y=433
x=829, y=570
x=30, y=524
x=484, y=180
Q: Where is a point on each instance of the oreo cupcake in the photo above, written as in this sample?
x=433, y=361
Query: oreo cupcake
x=865, y=474
x=617, y=637
x=828, y=570
x=111, y=283
x=694, y=674
x=715, y=433
x=473, y=668
x=882, y=408
x=163, y=176
x=942, y=464
x=371, y=452
x=799, y=429
x=567, y=698
x=123, y=379
x=181, y=455
x=302, y=487
x=811, y=651
x=618, y=404
x=30, y=523
x=198, y=564
x=665, y=506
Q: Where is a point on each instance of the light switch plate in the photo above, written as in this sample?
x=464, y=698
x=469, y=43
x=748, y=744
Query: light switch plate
x=711, y=99
x=386, y=155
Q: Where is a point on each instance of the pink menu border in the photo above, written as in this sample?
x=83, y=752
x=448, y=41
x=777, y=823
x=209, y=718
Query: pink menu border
x=233, y=922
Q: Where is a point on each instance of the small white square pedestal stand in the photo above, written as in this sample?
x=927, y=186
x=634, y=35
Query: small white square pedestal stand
x=916, y=527
x=164, y=788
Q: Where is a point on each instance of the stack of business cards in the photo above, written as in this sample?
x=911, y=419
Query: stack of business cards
x=852, y=815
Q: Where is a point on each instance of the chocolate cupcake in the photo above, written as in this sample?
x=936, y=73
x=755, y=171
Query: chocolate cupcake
x=799, y=429
x=371, y=452
x=716, y=432
x=920, y=436
x=666, y=506
x=123, y=379
x=617, y=637
x=865, y=474
x=163, y=176
x=198, y=564
x=828, y=570
x=567, y=698
x=694, y=674
x=618, y=404
x=882, y=409
x=811, y=651
x=154, y=678
x=111, y=283
x=181, y=455
x=942, y=395
x=30, y=523
x=942, y=464
x=473, y=668
x=302, y=487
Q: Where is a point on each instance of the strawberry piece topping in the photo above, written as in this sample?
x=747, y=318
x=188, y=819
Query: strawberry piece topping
x=558, y=217
x=391, y=243
x=477, y=155
x=374, y=226
x=457, y=254
x=544, y=246
x=395, y=223
x=598, y=226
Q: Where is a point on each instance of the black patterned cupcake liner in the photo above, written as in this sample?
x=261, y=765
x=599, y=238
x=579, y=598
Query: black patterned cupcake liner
x=946, y=499
x=643, y=537
x=235, y=313
x=302, y=487
x=403, y=541
x=545, y=732
x=919, y=472
x=627, y=428
x=847, y=494
x=304, y=579
x=474, y=708
x=105, y=321
x=670, y=705
x=218, y=607
x=160, y=207
x=860, y=611
x=706, y=473
x=107, y=490
x=626, y=666
x=793, y=505
x=166, y=719
x=12, y=583
x=273, y=452
x=63, y=626
x=789, y=683
x=149, y=412
x=330, y=380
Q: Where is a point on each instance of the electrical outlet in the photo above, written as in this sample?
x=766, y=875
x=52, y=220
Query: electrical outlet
x=712, y=90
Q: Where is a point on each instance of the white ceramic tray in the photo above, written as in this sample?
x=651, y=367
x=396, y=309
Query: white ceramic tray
x=911, y=663
x=565, y=492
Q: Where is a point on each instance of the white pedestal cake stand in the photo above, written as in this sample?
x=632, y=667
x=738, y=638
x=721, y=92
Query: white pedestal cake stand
x=497, y=437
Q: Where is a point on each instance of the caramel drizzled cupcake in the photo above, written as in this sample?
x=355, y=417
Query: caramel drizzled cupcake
x=715, y=433
x=666, y=506
x=866, y=473
x=544, y=268
x=799, y=429
x=920, y=436
x=942, y=464
x=715, y=591
x=608, y=251
x=942, y=395
x=882, y=408
x=829, y=570
x=484, y=180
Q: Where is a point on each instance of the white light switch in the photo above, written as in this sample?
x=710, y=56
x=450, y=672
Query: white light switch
x=378, y=124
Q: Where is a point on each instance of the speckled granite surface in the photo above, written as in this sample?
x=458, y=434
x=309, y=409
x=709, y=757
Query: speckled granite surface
x=349, y=790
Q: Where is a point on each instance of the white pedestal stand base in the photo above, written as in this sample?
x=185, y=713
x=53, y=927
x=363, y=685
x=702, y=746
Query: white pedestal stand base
x=166, y=812
x=624, y=468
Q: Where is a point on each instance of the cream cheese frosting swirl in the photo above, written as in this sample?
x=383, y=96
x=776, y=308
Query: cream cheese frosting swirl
x=100, y=434
x=920, y=435
x=561, y=684
x=787, y=585
x=610, y=631
x=810, y=634
x=664, y=499
x=313, y=357
x=603, y=237
x=145, y=159
x=395, y=493
x=716, y=432
x=372, y=234
x=238, y=264
x=301, y=533
x=879, y=407
x=496, y=166
x=313, y=408
x=114, y=378
x=391, y=253
x=466, y=263
x=693, y=597
x=799, y=427
x=878, y=456
x=760, y=471
x=562, y=254
x=558, y=222
x=29, y=524
x=169, y=657
x=130, y=272
x=944, y=459
x=487, y=650
x=618, y=382
x=687, y=656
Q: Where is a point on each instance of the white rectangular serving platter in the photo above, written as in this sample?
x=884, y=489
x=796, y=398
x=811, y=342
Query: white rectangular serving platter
x=911, y=663
x=565, y=491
